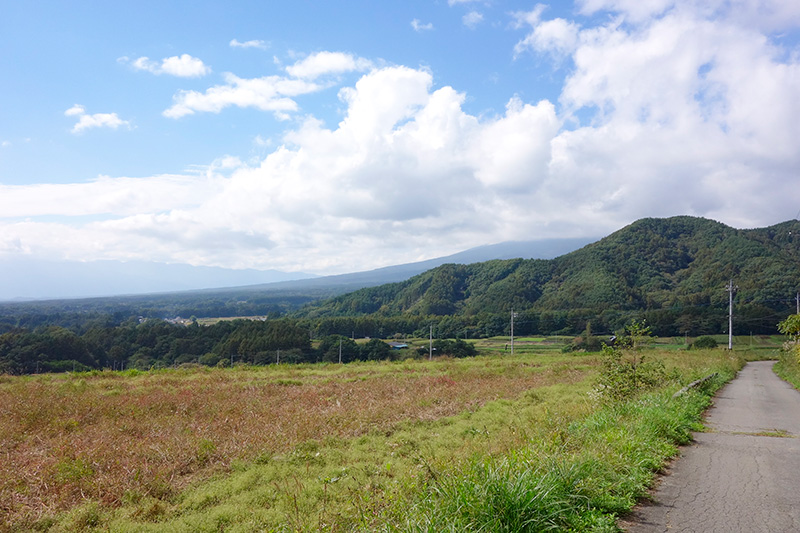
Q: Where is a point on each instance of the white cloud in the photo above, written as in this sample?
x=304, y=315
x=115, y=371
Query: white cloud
x=636, y=10
x=5, y=144
x=249, y=44
x=680, y=112
x=419, y=26
x=558, y=37
x=405, y=161
x=472, y=19
x=75, y=110
x=323, y=63
x=764, y=15
x=97, y=120
x=529, y=18
x=454, y=2
x=270, y=93
x=105, y=196
x=184, y=66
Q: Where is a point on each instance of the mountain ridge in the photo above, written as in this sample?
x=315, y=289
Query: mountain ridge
x=676, y=266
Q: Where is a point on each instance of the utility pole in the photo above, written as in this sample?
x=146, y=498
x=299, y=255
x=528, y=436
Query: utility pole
x=731, y=288
x=513, y=314
x=430, y=345
x=340, y=350
x=797, y=298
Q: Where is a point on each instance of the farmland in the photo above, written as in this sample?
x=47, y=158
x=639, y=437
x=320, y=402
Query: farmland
x=295, y=446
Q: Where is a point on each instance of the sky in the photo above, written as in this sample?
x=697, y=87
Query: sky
x=333, y=137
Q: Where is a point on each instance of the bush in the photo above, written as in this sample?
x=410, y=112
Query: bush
x=584, y=344
x=704, y=343
x=624, y=377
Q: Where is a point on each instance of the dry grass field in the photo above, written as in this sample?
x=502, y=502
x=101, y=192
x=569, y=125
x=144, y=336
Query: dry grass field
x=112, y=438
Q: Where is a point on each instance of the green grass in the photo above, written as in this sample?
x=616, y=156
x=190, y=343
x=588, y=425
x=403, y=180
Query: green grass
x=788, y=365
x=578, y=478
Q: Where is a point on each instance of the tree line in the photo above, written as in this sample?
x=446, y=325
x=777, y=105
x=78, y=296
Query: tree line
x=142, y=343
x=154, y=343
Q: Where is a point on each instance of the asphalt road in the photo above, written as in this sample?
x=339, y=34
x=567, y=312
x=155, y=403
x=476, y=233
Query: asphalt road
x=741, y=476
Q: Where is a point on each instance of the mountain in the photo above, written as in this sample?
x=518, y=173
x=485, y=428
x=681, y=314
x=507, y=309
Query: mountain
x=673, y=269
x=538, y=249
x=32, y=279
x=29, y=278
x=159, y=290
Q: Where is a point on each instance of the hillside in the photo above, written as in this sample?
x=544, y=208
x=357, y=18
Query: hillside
x=674, y=269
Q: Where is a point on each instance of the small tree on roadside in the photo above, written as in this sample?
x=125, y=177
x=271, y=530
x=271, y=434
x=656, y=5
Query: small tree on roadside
x=791, y=327
x=625, y=371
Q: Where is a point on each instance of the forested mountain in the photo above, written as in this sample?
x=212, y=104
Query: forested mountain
x=674, y=270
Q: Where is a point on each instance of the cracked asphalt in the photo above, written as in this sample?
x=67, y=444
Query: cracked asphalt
x=743, y=475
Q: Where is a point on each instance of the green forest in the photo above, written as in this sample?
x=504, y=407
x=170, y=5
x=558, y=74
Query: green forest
x=672, y=273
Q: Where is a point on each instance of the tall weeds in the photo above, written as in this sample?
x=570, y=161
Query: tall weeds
x=578, y=479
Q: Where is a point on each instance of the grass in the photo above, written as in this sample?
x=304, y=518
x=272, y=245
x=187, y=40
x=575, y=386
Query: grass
x=135, y=439
x=575, y=478
x=307, y=447
x=788, y=365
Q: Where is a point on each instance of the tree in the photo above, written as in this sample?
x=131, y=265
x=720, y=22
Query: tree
x=332, y=346
x=374, y=350
x=791, y=327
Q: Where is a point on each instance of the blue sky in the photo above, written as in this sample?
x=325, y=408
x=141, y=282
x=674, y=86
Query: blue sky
x=330, y=137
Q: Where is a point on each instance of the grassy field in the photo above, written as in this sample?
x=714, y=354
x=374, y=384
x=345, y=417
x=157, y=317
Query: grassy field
x=286, y=448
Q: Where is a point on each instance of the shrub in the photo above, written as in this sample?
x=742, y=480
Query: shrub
x=623, y=377
x=704, y=343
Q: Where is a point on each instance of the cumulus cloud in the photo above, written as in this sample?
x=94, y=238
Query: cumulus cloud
x=105, y=196
x=682, y=111
x=248, y=44
x=183, y=66
x=675, y=116
x=97, y=120
x=472, y=19
x=558, y=37
x=269, y=93
x=322, y=63
x=419, y=26
x=406, y=160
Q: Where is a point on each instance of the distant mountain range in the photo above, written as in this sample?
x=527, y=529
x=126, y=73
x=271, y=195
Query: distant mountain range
x=25, y=279
x=34, y=279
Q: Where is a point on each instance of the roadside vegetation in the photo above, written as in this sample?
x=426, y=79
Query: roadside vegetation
x=788, y=365
x=475, y=443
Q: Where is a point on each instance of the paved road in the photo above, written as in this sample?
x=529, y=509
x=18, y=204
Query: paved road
x=736, y=478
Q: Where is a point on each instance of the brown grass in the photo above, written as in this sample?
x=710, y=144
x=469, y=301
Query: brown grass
x=69, y=439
